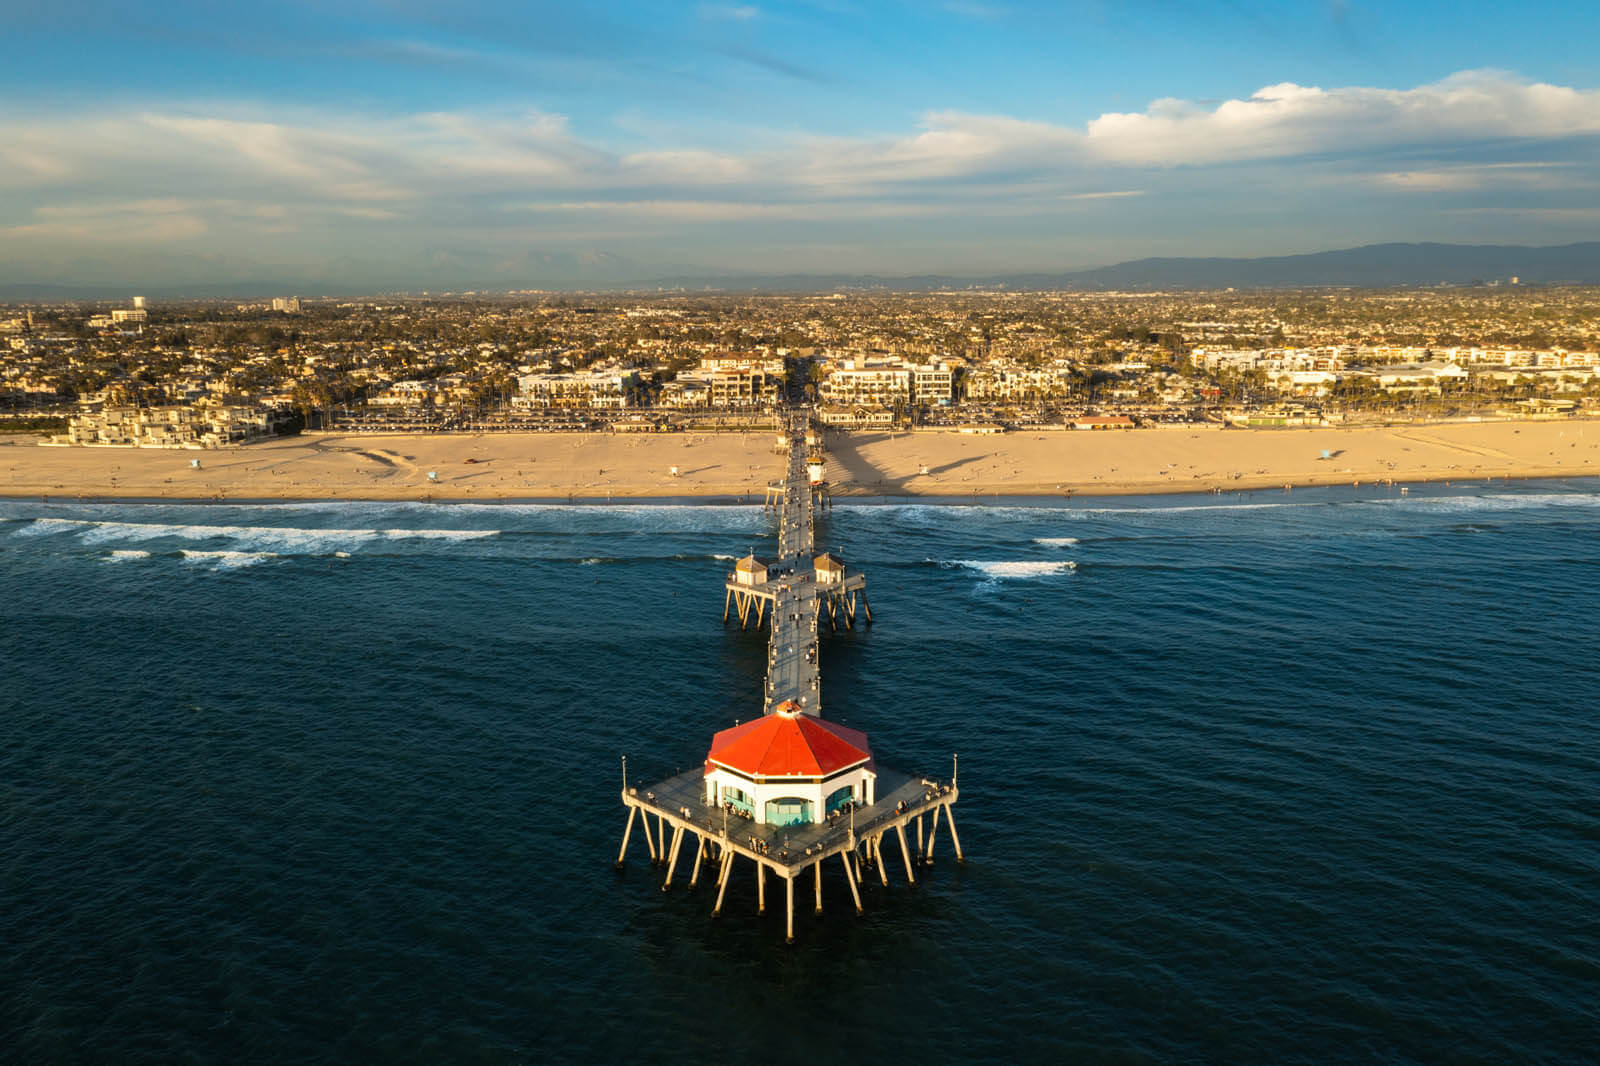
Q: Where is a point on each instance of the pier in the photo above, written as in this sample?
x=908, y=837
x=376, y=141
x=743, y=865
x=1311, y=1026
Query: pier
x=789, y=791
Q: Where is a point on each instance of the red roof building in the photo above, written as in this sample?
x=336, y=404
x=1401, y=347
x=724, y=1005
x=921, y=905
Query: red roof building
x=788, y=767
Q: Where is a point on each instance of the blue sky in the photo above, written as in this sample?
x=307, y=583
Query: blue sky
x=402, y=143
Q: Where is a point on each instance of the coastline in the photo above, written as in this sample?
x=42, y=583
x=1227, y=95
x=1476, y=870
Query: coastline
x=599, y=467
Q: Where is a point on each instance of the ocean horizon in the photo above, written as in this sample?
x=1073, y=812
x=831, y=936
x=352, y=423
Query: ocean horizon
x=1300, y=777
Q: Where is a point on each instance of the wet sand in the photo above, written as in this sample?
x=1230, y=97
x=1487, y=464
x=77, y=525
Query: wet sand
x=604, y=465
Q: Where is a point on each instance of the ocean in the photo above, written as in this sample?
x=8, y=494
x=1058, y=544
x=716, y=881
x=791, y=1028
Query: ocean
x=1307, y=777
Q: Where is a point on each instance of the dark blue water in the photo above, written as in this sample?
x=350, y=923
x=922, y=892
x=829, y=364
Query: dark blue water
x=1306, y=778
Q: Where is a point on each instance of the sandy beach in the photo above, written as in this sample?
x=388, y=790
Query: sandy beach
x=603, y=465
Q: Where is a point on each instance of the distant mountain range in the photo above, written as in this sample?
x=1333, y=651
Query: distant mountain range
x=1372, y=266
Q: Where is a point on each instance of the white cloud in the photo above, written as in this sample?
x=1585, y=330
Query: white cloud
x=1116, y=194
x=1542, y=176
x=216, y=173
x=139, y=221
x=362, y=161
x=1290, y=120
x=728, y=12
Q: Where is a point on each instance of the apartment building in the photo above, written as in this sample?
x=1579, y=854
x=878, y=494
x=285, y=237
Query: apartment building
x=580, y=388
x=167, y=426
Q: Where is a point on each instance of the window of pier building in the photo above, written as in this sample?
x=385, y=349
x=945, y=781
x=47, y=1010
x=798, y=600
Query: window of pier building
x=788, y=810
x=839, y=798
x=741, y=800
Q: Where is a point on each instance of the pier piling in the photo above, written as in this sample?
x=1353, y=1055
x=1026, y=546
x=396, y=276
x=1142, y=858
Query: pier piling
x=722, y=880
x=627, y=831
x=905, y=853
x=672, y=861
x=850, y=879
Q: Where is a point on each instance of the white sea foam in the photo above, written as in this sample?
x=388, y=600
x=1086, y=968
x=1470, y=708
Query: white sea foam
x=1509, y=502
x=289, y=539
x=40, y=527
x=1055, y=542
x=228, y=560
x=1017, y=569
x=126, y=556
x=1195, y=508
x=425, y=534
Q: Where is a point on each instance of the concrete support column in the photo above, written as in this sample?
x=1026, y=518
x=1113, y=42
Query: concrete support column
x=722, y=880
x=699, y=853
x=672, y=860
x=905, y=852
x=648, y=839
x=850, y=879
x=950, y=820
x=633, y=812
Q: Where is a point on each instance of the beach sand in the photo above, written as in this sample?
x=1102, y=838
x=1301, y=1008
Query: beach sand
x=604, y=465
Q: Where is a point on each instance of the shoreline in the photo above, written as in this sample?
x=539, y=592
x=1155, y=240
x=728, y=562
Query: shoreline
x=995, y=499
x=572, y=468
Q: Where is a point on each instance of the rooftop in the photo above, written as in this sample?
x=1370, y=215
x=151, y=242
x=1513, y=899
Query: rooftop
x=787, y=743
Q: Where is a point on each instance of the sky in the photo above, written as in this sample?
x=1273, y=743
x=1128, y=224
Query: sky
x=403, y=144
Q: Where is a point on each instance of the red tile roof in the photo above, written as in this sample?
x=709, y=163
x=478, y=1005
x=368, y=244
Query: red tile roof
x=783, y=745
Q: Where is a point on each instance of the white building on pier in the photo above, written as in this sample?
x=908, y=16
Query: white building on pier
x=789, y=768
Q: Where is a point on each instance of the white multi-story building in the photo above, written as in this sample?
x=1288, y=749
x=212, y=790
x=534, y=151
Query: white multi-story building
x=740, y=381
x=889, y=381
x=167, y=427
x=403, y=394
x=998, y=380
x=933, y=383
x=581, y=388
x=852, y=383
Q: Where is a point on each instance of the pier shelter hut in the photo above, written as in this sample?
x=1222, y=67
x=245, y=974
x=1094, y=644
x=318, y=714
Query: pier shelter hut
x=747, y=590
x=789, y=768
x=750, y=571
x=830, y=570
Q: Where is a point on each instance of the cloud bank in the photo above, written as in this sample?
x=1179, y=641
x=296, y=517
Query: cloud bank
x=311, y=187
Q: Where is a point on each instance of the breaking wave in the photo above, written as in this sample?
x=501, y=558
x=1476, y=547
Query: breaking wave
x=277, y=538
x=228, y=560
x=1017, y=569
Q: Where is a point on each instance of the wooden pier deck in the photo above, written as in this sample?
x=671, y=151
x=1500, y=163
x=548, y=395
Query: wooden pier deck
x=792, y=592
x=908, y=812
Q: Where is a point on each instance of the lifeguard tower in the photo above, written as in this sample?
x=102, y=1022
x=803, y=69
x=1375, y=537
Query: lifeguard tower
x=817, y=475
